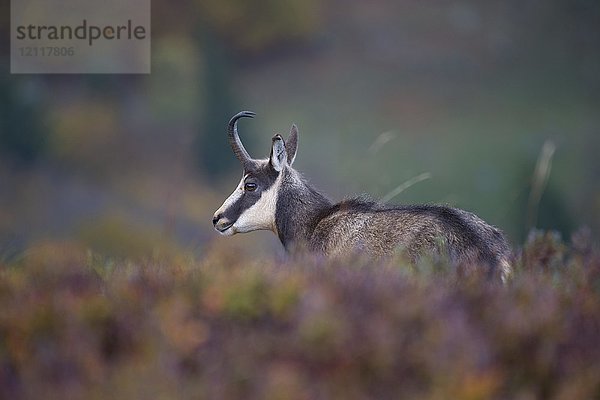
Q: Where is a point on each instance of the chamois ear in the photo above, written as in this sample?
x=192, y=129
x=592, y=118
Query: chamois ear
x=278, y=157
x=292, y=144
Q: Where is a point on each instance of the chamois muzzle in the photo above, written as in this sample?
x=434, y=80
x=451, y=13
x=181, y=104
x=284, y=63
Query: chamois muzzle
x=234, y=139
x=220, y=223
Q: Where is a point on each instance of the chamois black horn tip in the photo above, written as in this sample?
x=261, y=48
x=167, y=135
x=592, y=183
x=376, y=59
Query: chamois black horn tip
x=247, y=114
x=241, y=114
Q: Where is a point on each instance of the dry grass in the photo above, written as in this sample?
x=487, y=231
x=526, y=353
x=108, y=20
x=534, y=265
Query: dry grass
x=75, y=325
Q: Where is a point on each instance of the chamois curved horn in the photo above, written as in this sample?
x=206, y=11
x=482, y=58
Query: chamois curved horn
x=234, y=139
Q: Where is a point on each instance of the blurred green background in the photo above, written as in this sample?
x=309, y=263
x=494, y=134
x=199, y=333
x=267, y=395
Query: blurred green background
x=382, y=91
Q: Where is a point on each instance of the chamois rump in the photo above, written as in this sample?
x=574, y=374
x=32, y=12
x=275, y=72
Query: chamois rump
x=273, y=196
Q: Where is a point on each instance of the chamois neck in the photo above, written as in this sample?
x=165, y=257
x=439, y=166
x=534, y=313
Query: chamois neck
x=299, y=209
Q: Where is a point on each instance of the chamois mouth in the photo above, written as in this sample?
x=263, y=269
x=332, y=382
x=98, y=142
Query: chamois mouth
x=224, y=228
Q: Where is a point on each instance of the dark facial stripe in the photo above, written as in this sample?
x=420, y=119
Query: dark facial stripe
x=264, y=176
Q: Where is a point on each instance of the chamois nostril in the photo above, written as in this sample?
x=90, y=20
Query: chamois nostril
x=216, y=219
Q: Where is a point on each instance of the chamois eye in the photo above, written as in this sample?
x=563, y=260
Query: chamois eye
x=250, y=186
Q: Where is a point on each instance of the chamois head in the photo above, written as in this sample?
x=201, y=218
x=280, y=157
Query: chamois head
x=252, y=205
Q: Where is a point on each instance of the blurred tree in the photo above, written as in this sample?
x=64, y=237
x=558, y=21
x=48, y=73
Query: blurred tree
x=21, y=133
x=241, y=28
x=253, y=27
x=219, y=106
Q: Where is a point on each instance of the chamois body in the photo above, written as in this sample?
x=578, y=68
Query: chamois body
x=273, y=195
x=305, y=219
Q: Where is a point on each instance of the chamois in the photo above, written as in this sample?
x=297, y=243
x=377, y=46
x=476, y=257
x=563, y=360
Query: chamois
x=272, y=195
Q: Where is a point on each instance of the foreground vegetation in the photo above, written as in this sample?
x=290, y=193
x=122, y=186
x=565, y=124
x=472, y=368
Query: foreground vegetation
x=74, y=325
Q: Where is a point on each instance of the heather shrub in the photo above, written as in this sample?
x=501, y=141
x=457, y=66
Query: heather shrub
x=77, y=325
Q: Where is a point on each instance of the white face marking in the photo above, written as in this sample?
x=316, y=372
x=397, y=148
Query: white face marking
x=262, y=213
x=260, y=216
x=233, y=197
